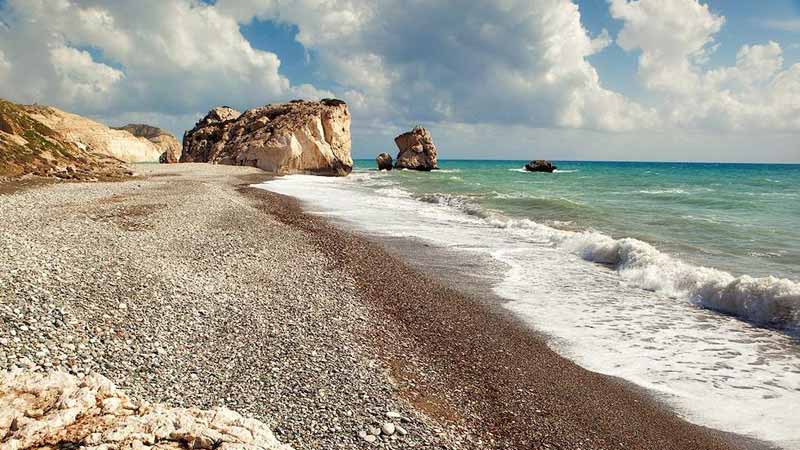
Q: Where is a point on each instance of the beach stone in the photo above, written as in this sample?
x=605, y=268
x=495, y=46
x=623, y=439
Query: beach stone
x=401, y=431
x=388, y=428
x=416, y=150
x=38, y=408
x=384, y=161
x=540, y=165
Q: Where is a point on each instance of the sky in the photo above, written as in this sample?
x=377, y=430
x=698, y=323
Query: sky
x=668, y=80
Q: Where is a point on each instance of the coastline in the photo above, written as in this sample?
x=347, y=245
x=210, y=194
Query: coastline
x=254, y=304
x=448, y=347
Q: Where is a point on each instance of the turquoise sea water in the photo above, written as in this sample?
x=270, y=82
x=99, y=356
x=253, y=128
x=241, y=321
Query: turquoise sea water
x=741, y=218
x=681, y=278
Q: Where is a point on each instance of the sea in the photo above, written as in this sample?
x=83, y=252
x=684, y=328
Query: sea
x=682, y=278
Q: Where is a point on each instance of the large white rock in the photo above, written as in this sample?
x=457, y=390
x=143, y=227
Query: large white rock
x=96, y=137
x=168, y=145
x=57, y=409
x=294, y=137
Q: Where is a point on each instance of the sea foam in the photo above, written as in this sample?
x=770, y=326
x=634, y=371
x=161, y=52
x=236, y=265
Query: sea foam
x=766, y=301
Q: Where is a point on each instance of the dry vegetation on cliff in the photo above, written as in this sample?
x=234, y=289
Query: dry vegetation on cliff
x=27, y=146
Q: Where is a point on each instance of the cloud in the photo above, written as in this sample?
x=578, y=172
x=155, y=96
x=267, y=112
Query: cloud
x=150, y=56
x=675, y=38
x=481, y=62
x=509, y=63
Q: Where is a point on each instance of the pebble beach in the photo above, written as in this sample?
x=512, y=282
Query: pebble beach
x=186, y=286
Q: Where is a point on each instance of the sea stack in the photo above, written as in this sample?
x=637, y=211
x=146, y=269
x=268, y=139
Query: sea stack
x=169, y=145
x=416, y=150
x=295, y=137
x=540, y=165
x=384, y=161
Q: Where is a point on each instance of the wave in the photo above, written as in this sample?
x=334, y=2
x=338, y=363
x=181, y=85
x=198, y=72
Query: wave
x=663, y=191
x=769, y=301
x=457, y=202
x=565, y=171
x=393, y=192
x=766, y=301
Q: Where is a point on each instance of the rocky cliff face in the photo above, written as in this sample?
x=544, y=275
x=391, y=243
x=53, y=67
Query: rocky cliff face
x=96, y=137
x=60, y=411
x=28, y=146
x=167, y=143
x=294, y=137
x=416, y=150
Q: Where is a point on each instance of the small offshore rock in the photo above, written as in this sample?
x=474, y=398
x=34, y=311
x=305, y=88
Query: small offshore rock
x=384, y=161
x=416, y=150
x=540, y=165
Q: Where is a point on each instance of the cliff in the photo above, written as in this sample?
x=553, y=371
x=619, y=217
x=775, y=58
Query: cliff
x=167, y=143
x=28, y=146
x=295, y=137
x=94, y=136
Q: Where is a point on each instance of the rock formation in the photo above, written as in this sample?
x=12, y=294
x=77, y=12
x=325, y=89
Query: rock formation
x=417, y=151
x=540, y=165
x=384, y=161
x=167, y=143
x=295, y=137
x=60, y=411
x=96, y=137
x=28, y=146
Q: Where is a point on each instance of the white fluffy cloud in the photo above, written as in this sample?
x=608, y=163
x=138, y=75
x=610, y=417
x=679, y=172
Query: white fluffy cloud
x=518, y=63
x=513, y=61
x=675, y=38
x=112, y=57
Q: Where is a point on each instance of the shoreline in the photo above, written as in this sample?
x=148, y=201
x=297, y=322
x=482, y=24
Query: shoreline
x=550, y=393
x=188, y=287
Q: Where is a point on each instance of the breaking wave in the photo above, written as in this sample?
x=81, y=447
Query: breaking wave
x=768, y=301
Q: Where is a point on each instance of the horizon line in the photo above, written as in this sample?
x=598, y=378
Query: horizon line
x=616, y=161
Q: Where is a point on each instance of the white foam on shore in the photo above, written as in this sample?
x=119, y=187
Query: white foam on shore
x=637, y=319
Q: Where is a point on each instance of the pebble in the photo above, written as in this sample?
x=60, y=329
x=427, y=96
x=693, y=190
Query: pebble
x=221, y=292
x=388, y=428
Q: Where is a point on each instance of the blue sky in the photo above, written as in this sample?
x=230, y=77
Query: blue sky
x=596, y=79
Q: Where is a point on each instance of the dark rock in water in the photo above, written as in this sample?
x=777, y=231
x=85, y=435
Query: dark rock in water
x=417, y=151
x=540, y=165
x=384, y=161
